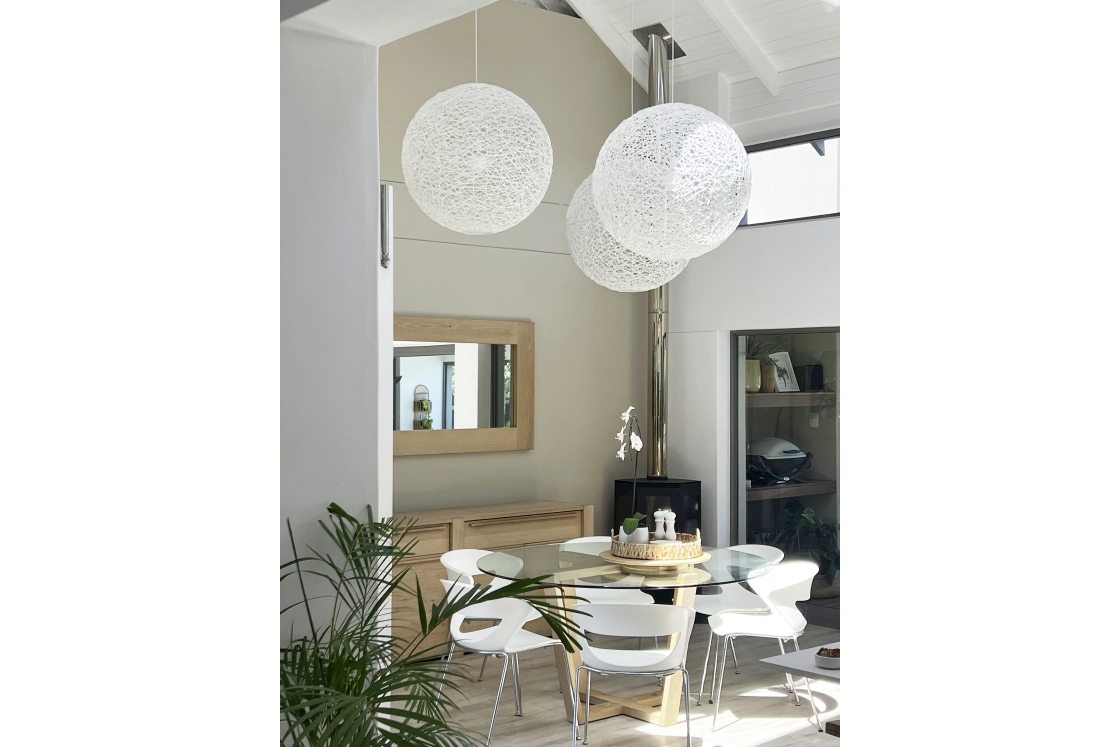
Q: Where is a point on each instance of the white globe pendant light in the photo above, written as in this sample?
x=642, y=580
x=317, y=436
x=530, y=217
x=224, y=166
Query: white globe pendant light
x=672, y=182
x=603, y=259
x=476, y=159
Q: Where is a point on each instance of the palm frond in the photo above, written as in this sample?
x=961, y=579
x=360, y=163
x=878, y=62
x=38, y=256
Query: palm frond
x=352, y=680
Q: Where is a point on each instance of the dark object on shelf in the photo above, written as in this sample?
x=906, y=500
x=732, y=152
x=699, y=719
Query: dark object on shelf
x=810, y=378
x=653, y=493
x=832, y=727
x=773, y=461
x=823, y=612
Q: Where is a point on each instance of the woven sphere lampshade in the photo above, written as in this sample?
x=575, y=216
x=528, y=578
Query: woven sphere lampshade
x=476, y=159
x=603, y=259
x=672, y=182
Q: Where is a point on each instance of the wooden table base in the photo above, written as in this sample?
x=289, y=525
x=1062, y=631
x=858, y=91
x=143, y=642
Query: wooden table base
x=659, y=707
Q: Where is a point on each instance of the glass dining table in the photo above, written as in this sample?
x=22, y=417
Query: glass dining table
x=569, y=566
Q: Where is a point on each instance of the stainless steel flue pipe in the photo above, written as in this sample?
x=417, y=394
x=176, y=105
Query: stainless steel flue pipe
x=657, y=436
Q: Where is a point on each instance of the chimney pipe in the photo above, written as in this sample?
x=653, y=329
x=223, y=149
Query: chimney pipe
x=656, y=441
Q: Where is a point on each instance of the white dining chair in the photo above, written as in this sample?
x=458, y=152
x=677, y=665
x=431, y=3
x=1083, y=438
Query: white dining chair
x=780, y=588
x=599, y=595
x=734, y=597
x=619, y=620
x=505, y=640
x=462, y=567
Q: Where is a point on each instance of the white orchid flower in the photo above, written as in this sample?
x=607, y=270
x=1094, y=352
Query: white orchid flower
x=621, y=435
x=621, y=452
x=635, y=442
x=626, y=415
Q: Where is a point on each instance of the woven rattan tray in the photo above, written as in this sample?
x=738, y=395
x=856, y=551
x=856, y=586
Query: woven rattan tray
x=689, y=549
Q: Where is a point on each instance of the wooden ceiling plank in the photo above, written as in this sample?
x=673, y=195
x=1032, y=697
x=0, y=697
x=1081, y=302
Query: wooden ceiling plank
x=829, y=34
x=793, y=30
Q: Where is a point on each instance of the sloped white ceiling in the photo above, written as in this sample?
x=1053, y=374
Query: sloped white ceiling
x=771, y=68
x=379, y=22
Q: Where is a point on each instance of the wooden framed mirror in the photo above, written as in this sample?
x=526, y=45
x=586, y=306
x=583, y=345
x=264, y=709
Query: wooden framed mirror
x=461, y=385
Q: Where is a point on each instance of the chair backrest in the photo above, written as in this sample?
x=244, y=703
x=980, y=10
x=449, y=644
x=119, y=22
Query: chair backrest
x=513, y=613
x=652, y=620
x=783, y=586
x=460, y=563
x=574, y=545
x=766, y=552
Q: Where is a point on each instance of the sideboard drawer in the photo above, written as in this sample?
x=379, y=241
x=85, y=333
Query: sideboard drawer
x=514, y=531
x=434, y=539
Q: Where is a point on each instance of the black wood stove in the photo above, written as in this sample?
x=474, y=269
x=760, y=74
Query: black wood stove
x=654, y=493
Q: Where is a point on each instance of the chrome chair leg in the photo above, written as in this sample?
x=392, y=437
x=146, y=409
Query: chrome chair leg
x=587, y=719
x=789, y=677
x=482, y=671
x=516, y=686
x=575, y=708
x=717, y=680
x=734, y=656
x=704, y=671
x=498, y=699
x=446, y=666
x=687, y=710
x=797, y=646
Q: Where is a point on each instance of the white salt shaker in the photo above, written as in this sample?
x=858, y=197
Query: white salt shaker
x=659, y=519
x=670, y=519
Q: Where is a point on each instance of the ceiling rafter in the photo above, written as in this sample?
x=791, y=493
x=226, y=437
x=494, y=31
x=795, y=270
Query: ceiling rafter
x=736, y=33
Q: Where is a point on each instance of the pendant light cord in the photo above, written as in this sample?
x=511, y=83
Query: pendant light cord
x=673, y=59
x=632, y=58
x=476, y=44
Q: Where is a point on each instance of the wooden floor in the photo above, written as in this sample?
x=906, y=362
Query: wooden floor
x=755, y=709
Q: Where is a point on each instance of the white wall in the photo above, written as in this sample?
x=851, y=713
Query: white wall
x=782, y=276
x=590, y=342
x=335, y=299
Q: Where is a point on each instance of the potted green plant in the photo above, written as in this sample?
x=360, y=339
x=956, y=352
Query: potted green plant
x=802, y=533
x=351, y=680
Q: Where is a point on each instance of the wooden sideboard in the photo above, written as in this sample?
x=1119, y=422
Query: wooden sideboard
x=494, y=527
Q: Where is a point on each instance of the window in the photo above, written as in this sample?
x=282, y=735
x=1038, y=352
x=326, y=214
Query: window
x=793, y=179
x=449, y=395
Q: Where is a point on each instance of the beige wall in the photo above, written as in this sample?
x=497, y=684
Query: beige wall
x=590, y=359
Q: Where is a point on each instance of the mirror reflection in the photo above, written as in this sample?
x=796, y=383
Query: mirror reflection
x=451, y=385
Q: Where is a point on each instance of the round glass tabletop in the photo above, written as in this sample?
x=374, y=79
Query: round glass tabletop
x=579, y=564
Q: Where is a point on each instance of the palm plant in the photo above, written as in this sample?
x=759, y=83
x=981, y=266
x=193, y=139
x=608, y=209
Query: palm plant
x=354, y=682
x=803, y=533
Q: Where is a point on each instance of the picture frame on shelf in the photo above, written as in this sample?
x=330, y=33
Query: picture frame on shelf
x=784, y=375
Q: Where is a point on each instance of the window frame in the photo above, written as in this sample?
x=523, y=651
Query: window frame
x=785, y=143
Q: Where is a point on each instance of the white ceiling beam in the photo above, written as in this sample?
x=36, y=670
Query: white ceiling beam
x=736, y=33
x=723, y=96
x=617, y=43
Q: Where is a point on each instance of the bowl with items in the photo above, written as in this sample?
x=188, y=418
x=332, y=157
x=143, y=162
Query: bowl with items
x=828, y=658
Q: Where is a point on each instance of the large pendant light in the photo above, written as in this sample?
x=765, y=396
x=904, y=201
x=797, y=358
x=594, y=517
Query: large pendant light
x=672, y=182
x=603, y=259
x=476, y=158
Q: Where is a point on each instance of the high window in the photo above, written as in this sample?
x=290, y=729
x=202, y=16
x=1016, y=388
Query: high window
x=794, y=179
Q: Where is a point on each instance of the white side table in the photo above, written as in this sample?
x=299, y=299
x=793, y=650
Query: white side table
x=804, y=664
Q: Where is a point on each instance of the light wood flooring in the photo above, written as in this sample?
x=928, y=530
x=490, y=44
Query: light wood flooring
x=755, y=708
